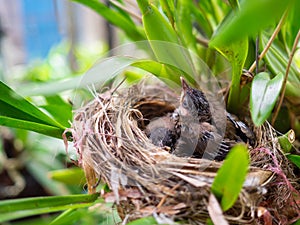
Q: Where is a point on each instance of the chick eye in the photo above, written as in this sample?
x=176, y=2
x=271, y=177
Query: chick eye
x=188, y=103
x=185, y=103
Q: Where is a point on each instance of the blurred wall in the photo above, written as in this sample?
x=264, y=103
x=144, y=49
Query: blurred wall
x=31, y=27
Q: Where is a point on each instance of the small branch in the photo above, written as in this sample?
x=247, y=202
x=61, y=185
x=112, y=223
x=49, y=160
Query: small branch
x=202, y=41
x=263, y=53
x=286, y=77
x=257, y=54
x=133, y=14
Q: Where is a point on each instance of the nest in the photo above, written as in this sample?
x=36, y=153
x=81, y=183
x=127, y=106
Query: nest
x=148, y=180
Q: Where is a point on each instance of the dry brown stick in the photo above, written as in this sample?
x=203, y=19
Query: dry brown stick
x=165, y=197
x=286, y=77
x=263, y=53
x=133, y=14
x=202, y=41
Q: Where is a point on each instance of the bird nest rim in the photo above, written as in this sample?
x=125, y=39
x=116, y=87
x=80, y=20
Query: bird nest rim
x=111, y=144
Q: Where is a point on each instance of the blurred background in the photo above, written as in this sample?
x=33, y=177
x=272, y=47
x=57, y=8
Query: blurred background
x=30, y=29
x=43, y=41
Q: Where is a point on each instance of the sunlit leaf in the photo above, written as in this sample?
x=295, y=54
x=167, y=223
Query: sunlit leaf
x=264, y=93
x=231, y=176
x=15, y=106
x=252, y=17
x=59, y=109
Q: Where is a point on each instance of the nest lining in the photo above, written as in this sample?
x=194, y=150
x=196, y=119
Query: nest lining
x=148, y=180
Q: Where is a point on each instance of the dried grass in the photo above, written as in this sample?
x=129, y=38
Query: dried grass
x=148, y=180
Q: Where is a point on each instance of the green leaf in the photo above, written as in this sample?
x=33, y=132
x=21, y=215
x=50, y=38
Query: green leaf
x=20, y=208
x=252, y=17
x=291, y=26
x=286, y=141
x=67, y=217
x=201, y=18
x=163, y=38
x=162, y=71
x=155, y=25
x=236, y=54
x=114, y=17
x=33, y=126
x=73, y=176
x=294, y=159
x=168, y=8
x=50, y=88
x=15, y=106
x=144, y=221
x=231, y=176
x=59, y=109
x=184, y=23
x=277, y=60
x=297, y=222
x=264, y=93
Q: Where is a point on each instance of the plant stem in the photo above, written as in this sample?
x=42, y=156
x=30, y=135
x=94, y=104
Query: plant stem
x=133, y=14
x=263, y=53
x=286, y=77
x=203, y=41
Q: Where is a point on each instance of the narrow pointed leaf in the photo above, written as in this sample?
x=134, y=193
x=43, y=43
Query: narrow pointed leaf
x=17, y=107
x=32, y=126
x=20, y=208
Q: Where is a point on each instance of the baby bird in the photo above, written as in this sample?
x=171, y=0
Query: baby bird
x=189, y=130
x=198, y=131
x=161, y=131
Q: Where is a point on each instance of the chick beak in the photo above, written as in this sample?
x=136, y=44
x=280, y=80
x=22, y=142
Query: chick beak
x=184, y=85
x=185, y=88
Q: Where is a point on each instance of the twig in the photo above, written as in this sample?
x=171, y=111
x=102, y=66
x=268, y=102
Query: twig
x=277, y=29
x=133, y=14
x=202, y=41
x=286, y=77
x=257, y=54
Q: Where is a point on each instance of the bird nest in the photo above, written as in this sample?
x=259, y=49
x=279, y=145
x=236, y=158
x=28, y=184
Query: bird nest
x=145, y=179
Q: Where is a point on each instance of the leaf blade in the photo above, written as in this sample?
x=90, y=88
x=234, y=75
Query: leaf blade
x=263, y=96
x=18, y=105
x=32, y=126
x=231, y=176
x=242, y=20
